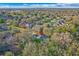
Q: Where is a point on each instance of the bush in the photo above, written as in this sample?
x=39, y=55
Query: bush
x=9, y=54
x=2, y=21
x=60, y=29
x=37, y=40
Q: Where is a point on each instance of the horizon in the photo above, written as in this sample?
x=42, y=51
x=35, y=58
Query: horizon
x=39, y=5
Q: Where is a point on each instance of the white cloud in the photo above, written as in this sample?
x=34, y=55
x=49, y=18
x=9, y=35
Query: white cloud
x=42, y=5
x=39, y=5
x=12, y=6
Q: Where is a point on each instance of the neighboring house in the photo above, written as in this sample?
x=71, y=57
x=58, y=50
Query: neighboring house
x=58, y=22
x=3, y=27
x=11, y=48
x=25, y=24
x=61, y=22
x=29, y=25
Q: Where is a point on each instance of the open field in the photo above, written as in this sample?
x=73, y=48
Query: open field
x=39, y=32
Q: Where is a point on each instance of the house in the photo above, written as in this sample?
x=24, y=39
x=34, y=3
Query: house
x=25, y=24
x=38, y=33
x=30, y=25
x=7, y=47
x=61, y=21
x=3, y=27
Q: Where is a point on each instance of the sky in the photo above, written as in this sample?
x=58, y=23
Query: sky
x=39, y=1
x=39, y=5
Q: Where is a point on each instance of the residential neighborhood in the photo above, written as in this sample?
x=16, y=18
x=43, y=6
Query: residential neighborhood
x=39, y=32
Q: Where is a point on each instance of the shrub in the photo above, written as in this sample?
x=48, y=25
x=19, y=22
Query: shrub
x=2, y=21
x=37, y=40
x=9, y=54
